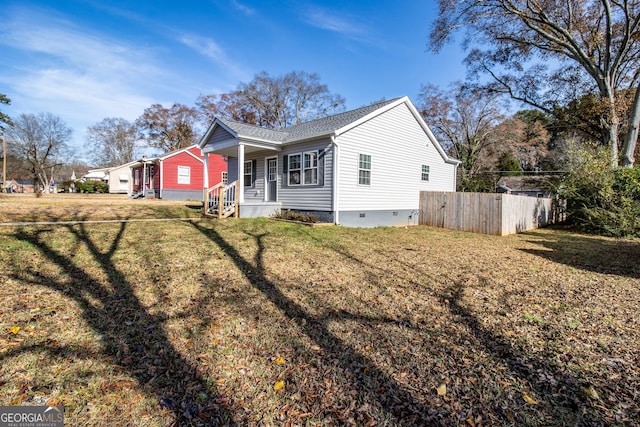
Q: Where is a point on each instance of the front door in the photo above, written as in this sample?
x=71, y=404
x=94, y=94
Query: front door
x=272, y=179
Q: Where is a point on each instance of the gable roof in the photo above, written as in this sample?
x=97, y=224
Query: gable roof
x=300, y=132
x=327, y=126
x=179, y=151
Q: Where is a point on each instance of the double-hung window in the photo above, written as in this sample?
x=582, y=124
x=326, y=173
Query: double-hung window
x=311, y=168
x=295, y=169
x=425, y=172
x=184, y=175
x=303, y=168
x=248, y=173
x=364, y=169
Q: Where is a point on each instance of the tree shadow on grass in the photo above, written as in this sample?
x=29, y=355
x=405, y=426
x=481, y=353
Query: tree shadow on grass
x=590, y=253
x=132, y=338
x=372, y=383
x=547, y=375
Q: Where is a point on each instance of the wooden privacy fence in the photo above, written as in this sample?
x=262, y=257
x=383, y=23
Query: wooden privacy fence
x=487, y=213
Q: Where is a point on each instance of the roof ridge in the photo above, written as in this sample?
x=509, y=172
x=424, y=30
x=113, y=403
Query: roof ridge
x=373, y=106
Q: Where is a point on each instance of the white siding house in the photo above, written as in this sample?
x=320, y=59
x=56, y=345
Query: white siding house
x=363, y=168
x=120, y=178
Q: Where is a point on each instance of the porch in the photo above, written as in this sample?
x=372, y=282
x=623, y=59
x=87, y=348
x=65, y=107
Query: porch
x=223, y=201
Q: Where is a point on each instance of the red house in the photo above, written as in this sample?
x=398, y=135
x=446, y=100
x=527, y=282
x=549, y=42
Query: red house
x=177, y=175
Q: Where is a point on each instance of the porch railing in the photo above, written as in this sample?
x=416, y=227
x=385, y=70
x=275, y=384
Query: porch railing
x=221, y=200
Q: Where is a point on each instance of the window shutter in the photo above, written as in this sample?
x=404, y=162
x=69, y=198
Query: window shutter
x=321, y=156
x=285, y=171
x=254, y=163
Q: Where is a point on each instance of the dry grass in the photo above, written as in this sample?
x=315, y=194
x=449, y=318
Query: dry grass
x=200, y=322
x=71, y=207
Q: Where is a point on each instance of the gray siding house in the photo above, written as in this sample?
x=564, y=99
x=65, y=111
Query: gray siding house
x=360, y=168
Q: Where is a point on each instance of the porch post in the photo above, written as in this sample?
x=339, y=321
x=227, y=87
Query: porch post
x=205, y=175
x=241, y=172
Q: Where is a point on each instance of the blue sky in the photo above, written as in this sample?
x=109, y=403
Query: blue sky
x=86, y=60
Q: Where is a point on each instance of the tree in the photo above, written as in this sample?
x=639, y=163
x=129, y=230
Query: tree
x=112, y=142
x=593, y=44
x=464, y=121
x=169, y=129
x=4, y=119
x=525, y=138
x=274, y=102
x=508, y=164
x=42, y=141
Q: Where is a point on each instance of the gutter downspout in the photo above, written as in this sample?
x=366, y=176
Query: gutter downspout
x=336, y=214
x=144, y=179
x=161, y=171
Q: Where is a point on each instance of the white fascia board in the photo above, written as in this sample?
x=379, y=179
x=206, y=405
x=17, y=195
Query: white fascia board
x=430, y=134
x=176, y=152
x=211, y=129
x=371, y=115
x=195, y=157
x=260, y=143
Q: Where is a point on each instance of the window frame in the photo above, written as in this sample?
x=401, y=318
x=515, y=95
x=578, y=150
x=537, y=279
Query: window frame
x=181, y=177
x=368, y=160
x=425, y=173
x=248, y=183
x=310, y=168
x=302, y=168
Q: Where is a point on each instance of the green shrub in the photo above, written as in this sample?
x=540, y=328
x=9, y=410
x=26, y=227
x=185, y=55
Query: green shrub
x=599, y=199
x=101, y=187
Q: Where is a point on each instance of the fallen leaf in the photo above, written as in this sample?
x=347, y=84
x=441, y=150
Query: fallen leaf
x=279, y=361
x=442, y=390
x=529, y=400
x=591, y=392
x=279, y=385
x=15, y=330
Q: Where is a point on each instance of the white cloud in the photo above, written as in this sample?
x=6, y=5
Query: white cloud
x=243, y=8
x=75, y=73
x=326, y=20
x=210, y=49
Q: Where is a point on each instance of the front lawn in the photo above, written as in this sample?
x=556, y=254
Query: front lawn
x=258, y=322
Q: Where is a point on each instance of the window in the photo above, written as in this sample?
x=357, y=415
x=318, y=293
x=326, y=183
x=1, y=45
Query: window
x=311, y=168
x=364, y=170
x=184, y=175
x=425, y=172
x=303, y=168
x=295, y=169
x=136, y=177
x=248, y=173
x=272, y=170
x=225, y=178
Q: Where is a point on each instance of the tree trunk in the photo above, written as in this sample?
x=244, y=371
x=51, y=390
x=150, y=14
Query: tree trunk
x=613, y=141
x=612, y=126
x=631, y=139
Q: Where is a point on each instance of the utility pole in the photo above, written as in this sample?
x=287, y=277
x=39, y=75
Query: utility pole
x=4, y=163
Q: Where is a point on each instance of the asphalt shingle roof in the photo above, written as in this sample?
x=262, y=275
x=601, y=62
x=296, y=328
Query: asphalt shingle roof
x=302, y=131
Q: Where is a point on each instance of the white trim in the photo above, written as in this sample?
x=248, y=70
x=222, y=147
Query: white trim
x=244, y=173
x=335, y=168
x=188, y=168
x=266, y=178
x=161, y=177
x=205, y=175
x=370, y=169
x=241, y=172
x=180, y=151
